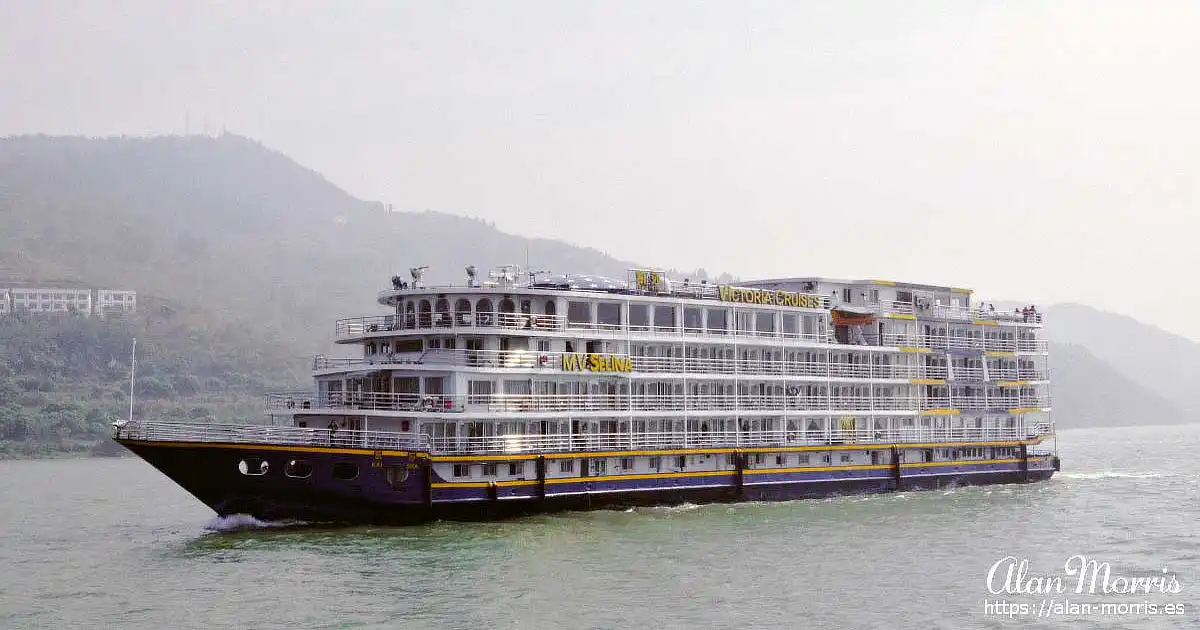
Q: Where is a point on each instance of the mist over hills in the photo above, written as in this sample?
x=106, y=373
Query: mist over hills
x=261, y=243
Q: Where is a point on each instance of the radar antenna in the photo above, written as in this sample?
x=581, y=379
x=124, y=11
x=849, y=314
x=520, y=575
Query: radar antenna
x=417, y=274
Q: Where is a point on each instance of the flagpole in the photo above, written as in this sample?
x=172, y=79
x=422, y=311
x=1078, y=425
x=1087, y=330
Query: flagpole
x=132, y=370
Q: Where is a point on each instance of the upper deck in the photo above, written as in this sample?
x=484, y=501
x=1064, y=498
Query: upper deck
x=597, y=306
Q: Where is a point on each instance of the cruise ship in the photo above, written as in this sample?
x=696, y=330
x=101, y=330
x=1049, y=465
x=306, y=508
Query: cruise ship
x=531, y=392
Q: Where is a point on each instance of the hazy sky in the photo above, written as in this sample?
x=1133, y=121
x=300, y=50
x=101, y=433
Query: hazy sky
x=1044, y=151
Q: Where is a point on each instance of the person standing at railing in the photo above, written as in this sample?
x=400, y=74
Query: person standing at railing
x=333, y=427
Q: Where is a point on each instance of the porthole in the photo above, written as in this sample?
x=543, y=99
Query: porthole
x=345, y=471
x=252, y=466
x=396, y=476
x=298, y=469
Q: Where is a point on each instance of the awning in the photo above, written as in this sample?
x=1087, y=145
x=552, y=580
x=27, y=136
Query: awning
x=842, y=317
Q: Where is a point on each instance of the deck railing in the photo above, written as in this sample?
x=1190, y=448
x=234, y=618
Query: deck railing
x=507, y=444
x=298, y=402
x=152, y=431
x=526, y=359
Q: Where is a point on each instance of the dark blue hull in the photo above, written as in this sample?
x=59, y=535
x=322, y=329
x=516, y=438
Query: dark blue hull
x=350, y=485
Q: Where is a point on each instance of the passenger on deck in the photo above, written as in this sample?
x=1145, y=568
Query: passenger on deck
x=333, y=427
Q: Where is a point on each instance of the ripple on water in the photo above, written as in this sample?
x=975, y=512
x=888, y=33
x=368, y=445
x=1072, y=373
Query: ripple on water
x=145, y=554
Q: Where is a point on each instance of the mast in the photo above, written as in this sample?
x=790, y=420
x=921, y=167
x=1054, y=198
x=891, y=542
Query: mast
x=132, y=371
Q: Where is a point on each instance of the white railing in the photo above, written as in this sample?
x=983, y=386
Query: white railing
x=526, y=359
x=890, y=306
x=566, y=403
x=300, y=436
x=726, y=439
x=970, y=403
x=355, y=327
x=968, y=373
x=149, y=431
x=297, y=402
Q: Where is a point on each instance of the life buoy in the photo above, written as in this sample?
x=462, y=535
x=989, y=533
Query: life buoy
x=427, y=403
x=544, y=360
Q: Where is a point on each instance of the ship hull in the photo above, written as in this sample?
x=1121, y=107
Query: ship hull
x=214, y=474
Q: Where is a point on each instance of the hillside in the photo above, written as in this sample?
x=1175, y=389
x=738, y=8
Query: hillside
x=1089, y=392
x=65, y=378
x=1158, y=361
x=249, y=241
x=229, y=224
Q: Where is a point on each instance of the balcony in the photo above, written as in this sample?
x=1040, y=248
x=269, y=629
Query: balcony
x=293, y=402
x=715, y=366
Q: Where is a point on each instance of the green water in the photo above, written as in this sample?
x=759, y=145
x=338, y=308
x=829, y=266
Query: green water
x=112, y=543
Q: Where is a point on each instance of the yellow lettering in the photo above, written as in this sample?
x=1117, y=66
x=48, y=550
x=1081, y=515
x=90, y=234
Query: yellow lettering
x=570, y=362
x=593, y=362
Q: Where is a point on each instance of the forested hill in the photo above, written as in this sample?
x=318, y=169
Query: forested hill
x=65, y=378
x=235, y=227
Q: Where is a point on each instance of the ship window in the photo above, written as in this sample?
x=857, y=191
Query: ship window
x=718, y=320
x=764, y=322
x=655, y=463
x=551, y=307
x=462, y=312
x=426, y=314
x=516, y=468
x=298, y=469
x=483, y=313
x=790, y=326
x=599, y=466
x=845, y=458
x=803, y=459
x=664, y=316
x=779, y=460
x=345, y=471
x=479, y=392
x=639, y=315
x=691, y=319
x=608, y=314
x=825, y=458
x=626, y=463
x=758, y=458
x=566, y=466
x=407, y=345
x=543, y=345
x=681, y=462
x=253, y=466
x=489, y=470
x=396, y=476
x=443, y=312
x=579, y=312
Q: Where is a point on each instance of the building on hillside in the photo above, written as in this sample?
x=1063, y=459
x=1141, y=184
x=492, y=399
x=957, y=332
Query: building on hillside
x=113, y=302
x=5, y=304
x=43, y=300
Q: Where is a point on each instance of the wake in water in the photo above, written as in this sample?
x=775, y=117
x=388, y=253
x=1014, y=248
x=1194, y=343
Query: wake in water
x=1114, y=474
x=245, y=522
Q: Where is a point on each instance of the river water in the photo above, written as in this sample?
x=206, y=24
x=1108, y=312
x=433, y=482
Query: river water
x=111, y=543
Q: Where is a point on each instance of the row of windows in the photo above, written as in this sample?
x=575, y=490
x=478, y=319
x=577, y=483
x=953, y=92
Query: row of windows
x=603, y=466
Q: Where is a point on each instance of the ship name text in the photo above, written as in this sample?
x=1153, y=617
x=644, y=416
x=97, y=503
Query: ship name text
x=596, y=363
x=775, y=298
